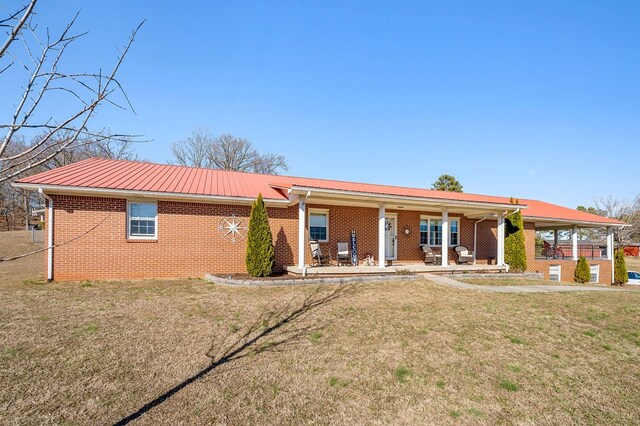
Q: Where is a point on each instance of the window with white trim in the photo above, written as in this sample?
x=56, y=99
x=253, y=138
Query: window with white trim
x=595, y=273
x=431, y=231
x=555, y=272
x=319, y=225
x=142, y=220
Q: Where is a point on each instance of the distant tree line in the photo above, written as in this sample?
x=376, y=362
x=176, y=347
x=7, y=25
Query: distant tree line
x=16, y=204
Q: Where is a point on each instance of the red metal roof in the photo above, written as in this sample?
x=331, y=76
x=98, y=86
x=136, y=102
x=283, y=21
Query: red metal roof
x=142, y=176
x=543, y=210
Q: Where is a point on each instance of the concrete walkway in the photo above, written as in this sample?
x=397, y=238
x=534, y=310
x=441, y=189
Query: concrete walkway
x=514, y=289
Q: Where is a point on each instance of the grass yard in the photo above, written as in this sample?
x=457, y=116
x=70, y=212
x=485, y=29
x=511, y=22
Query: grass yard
x=166, y=352
x=509, y=281
x=498, y=281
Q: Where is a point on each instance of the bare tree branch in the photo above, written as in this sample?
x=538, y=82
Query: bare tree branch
x=84, y=114
x=624, y=210
x=225, y=152
x=42, y=132
x=18, y=27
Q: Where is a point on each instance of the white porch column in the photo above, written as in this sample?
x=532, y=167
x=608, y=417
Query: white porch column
x=301, y=231
x=445, y=238
x=500, y=254
x=609, y=243
x=381, y=239
x=475, y=240
x=574, y=240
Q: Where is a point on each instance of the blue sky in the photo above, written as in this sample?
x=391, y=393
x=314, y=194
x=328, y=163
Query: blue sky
x=526, y=99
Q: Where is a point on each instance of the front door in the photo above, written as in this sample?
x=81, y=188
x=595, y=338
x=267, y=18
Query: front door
x=391, y=237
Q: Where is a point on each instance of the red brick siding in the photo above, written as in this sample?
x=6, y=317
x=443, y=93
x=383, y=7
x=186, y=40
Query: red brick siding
x=188, y=244
x=487, y=240
x=341, y=221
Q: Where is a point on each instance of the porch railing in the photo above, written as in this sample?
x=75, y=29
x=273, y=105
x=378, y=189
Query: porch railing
x=589, y=251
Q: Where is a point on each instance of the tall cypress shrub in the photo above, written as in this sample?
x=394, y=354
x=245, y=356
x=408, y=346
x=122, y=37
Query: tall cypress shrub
x=583, y=273
x=515, y=254
x=260, y=257
x=619, y=268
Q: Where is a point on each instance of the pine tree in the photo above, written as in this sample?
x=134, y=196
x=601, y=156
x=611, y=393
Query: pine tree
x=260, y=258
x=619, y=268
x=583, y=273
x=447, y=183
x=515, y=254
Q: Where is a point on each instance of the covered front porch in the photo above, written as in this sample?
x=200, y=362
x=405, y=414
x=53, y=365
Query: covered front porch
x=392, y=233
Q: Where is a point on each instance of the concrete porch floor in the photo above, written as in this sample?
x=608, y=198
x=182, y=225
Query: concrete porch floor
x=413, y=268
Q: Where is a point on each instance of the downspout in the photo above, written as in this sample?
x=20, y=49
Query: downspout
x=611, y=252
x=301, y=240
x=49, y=235
x=475, y=238
x=505, y=217
x=506, y=213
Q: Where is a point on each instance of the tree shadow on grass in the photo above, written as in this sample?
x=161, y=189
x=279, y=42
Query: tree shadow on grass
x=272, y=329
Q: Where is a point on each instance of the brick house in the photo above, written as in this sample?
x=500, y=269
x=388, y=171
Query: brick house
x=113, y=219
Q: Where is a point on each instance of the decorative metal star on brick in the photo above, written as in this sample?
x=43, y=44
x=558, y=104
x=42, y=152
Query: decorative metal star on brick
x=231, y=227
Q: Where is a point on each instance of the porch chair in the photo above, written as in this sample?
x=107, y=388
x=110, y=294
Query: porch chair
x=343, y=255
x=318, y=258
x=430, y=256
x=464, y=255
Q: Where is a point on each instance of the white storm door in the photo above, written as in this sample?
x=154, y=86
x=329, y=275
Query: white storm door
x=390, y=238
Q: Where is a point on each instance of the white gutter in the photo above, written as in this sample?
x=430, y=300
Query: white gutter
x=49, y=224
x=475, y=233
x=475, y=238
x=386, y=197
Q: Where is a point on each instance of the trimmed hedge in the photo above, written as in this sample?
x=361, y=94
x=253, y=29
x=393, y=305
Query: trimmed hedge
x=619, y=268
x=583, y=272
x=515, y=254
x=260, y=258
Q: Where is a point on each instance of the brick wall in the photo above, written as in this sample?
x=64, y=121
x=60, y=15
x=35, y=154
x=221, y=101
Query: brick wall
x=341, y=221
x=487, y=244
x=188, y=244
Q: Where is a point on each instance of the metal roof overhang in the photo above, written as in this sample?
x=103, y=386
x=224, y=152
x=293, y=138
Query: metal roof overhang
x=125, y=193
x=373, y=200
x=549, y=224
